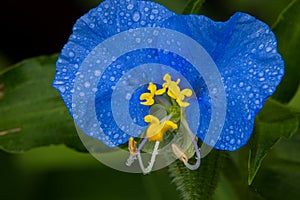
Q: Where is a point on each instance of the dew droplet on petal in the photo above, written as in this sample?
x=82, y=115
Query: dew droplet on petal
x=151, y=17
x=136, y=16
x=87, y=84
x=128, y=96
x=261, y=46
x=62, y=89
x=261, y=74
x=81, y=94
x=112, y=78
x=232, y=141
x=138, y=40
x=130, y=6
x=265, y=86
x=268, y=49
x=97, y=73
x=71, y=54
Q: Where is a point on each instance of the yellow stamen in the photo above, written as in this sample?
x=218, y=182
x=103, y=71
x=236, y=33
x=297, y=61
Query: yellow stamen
x=132, y=146
x=148, y=97
x=156, y=129
x=175, y=92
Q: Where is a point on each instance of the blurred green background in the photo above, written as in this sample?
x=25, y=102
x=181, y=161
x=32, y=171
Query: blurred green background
x=32, y=28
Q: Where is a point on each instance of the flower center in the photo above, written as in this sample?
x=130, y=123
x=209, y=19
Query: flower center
x=173, y=100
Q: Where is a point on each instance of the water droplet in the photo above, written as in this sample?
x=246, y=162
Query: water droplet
x=268, y=49
x=58, y=82
x=71, y=54
x=112, y=78
x=232, y=141
x=130, y=6
x=106, y=5
x=155, y=11
x=128, y=96
x=261, y=46
x=97, y=73
x=81, y=94
x=261, y=74
x=265, y=86
x=248, y=88
x=136, y=16
x=116, y=136
x=62, y=89
x=138, y=40
x=241, y=84
x=155, y=33
x=87, y=84
x=261, y=79
x=151, y=17
x=249, y=117
x=214, y=91
x=92, y=25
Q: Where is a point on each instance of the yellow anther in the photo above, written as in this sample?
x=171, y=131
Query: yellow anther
x=148, y=97
x=132, y=146
x=156, y=129
x=175, y=92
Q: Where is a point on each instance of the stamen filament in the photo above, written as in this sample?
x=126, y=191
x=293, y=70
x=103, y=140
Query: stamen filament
x=197, y=150
x=152, y=160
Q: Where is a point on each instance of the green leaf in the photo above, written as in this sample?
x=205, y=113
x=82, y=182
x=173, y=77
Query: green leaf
x=275, y=121
x=279, y=176
x=235, y=173
x=193, y=7
x=32, y=112
x=294, y=104
x=198, y=184
x=287, y=30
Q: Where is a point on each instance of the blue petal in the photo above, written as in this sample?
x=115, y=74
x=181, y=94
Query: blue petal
x=100, y=23
x=245, y=52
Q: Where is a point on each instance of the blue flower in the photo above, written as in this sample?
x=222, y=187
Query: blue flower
x=111, y=58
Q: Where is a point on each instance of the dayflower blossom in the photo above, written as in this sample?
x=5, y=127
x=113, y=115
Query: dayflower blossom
x=126, y=57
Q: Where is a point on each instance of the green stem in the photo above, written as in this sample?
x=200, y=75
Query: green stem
x=198, y=184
